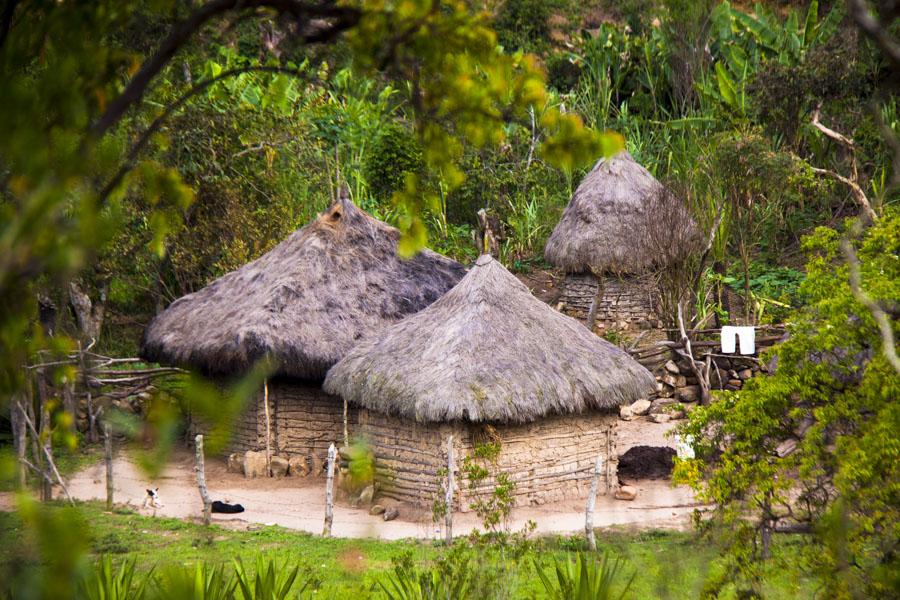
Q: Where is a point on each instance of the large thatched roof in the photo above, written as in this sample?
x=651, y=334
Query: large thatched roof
x=487, y=351
x=620, y=220
x=303, y=304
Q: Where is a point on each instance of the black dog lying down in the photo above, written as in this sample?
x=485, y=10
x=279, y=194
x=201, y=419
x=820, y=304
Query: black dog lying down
x=221, y=507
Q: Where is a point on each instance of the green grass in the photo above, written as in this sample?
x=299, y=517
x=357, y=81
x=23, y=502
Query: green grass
x=666, y=564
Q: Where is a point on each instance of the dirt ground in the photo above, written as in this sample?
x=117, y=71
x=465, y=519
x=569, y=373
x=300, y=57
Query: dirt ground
x=544, y=285
x=300, y=503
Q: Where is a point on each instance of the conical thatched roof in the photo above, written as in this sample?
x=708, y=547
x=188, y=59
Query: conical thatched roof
x=305, y=303
x=620, y=220
x=487, y=351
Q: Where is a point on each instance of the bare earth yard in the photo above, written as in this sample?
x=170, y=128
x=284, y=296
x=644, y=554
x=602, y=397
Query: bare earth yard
x=300, y=503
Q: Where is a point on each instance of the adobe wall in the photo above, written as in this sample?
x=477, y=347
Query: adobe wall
x=549, y=460
x=627, y=303
x=304, y=420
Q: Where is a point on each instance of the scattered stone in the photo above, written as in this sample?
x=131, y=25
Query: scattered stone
x=298, y=466
x=279, y=466
x=733, y=384
x=626, y=492
x=745, y=374
x=786, y=447
x=670, y=380
x=680, y=381
x=671, y=367
x=690, y=393
x=625, y=413
x=640, y=407
x=235, y=463
x=661, y=418
x=377, y=509
x=316, y=465
x=255, y=464
x=391, y=513
x=367, y=495
x=666, y=392
x=659, y=386
x=659, y=405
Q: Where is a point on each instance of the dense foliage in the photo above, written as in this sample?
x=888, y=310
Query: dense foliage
x=811, y=445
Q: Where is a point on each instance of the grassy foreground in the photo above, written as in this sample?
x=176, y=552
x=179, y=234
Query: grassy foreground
x=664, y=564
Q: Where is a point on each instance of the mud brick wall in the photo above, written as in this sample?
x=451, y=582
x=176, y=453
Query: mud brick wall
x=408, y=455
x=549, y=460
x=627, y=303
x=304, y=421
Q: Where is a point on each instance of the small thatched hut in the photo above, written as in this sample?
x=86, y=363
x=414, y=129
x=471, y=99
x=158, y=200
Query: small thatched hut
x=489, y=362
x=620, y=226
x=302, y=305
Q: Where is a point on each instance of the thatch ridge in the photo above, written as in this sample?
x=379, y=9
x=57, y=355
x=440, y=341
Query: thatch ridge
x=487, y=351
x=305, y=303
x=611, y=223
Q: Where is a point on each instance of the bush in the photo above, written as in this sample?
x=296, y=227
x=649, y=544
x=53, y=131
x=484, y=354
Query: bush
x=524, y=24
x=394, y=154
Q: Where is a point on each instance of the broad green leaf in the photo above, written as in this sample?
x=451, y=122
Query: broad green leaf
x=726, y=86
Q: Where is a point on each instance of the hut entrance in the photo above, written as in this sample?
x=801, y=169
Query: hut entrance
x=646, y=462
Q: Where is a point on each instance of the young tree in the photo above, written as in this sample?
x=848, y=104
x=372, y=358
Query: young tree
x=813, y=447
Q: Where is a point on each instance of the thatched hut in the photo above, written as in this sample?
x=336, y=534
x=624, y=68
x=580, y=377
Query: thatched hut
x=489, y=361
x=302, y=305
x=620, y=227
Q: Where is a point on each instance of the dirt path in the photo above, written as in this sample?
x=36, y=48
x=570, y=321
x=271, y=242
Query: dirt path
x=300, y=503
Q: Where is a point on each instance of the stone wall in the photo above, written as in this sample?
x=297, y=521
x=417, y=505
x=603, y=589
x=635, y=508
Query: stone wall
x=629, y=303
x=549, y=460
x=677, y=388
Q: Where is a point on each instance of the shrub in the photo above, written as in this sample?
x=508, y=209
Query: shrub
x=394, y=154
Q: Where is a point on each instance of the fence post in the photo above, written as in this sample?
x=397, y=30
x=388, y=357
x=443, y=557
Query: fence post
x=200, y=467
x=329, y=491
x=268, y=428
x=592, y=499
x=107, y=443
x=448, y=517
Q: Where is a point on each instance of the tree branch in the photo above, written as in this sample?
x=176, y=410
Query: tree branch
x=136, y=149
x=6, y=20
x=874, y=29
x=881, y=319
x=179, y=35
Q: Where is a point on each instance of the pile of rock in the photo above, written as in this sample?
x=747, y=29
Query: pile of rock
x=253, y=464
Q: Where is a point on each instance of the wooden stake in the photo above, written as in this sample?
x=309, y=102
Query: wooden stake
x=17, y=414
x=50, y=469
x=107, y=443
x=595, y=304
x=200, y=467
x=608, y=455
x=591, y=501
x=329, y=491
x=448, y=500
x=346, y=429
x=268, y=428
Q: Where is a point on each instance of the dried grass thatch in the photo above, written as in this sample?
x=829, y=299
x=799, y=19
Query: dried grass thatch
x=487, y=351
x=305, y=303
x=615, y=221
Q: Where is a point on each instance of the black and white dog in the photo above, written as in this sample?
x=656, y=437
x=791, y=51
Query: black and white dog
x=152, y=499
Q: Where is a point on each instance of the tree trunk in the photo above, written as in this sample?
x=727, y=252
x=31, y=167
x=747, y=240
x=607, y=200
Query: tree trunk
x=88, y=314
